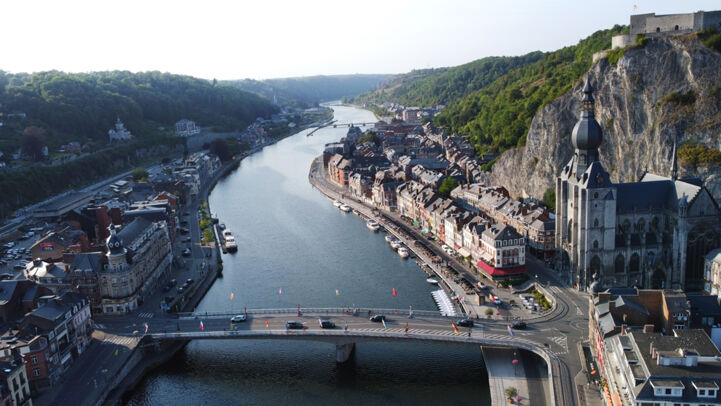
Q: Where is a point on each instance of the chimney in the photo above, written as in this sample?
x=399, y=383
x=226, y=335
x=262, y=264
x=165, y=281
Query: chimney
x=648, y=328
x=623, y=329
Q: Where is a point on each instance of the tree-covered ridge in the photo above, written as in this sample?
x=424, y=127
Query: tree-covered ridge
x=83, y=106
x=305, y=91
x=445, y=85
x=498, y=116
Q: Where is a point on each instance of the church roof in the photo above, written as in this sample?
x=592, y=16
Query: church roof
x=641, y=196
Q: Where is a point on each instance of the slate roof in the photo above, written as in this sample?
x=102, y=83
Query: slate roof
x=7, y=290
x=129, y=233
x=87, y=261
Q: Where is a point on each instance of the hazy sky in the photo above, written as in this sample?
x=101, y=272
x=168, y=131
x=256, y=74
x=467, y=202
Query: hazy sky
x=271, y=38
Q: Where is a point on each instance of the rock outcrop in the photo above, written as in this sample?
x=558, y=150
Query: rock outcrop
x=638, y=114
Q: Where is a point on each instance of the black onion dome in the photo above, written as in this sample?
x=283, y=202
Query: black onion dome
x=587, y=133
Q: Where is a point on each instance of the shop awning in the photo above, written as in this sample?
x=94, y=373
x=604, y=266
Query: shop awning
x=464, y=252
x=516, y=270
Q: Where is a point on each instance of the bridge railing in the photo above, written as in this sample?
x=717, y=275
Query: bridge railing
x=319, y=311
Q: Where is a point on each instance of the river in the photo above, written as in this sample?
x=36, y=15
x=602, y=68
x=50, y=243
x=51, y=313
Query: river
x=295, y=248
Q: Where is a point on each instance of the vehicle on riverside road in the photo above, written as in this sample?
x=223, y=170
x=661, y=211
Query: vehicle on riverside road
x=465, y=323
x=326, y=323
x=518, y=325
x=238, y=319
x=377, y=318
x=293, y=325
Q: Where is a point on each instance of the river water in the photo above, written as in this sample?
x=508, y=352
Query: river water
x=296, y=248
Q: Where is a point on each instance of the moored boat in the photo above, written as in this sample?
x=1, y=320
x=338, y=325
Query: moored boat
x=230, y=244
x=222, y=226
x=403, y=252
x=432, y=281
x=345, y=208
x=373, y=225
x=395, y=244
x=337, y=203
x=389, y=238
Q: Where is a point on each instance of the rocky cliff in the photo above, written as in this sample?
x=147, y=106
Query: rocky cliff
x=668, y=88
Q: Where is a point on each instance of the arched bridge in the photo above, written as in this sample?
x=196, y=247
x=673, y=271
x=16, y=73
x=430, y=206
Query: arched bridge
x=353, y=326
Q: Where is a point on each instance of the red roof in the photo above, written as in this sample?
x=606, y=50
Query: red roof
x=502, y=271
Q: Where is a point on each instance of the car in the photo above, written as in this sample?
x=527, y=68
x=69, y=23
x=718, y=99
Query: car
x=189, y=281
x=184, y=223
x=184, y=231
x=186, y=252
x=293, y=325
x=6, y=276
x=326, y=323
x=464, y=323
x=377, y=318
x=186, y=239
x=172, y=282
x=238, y=319
x=518, y=325
x=181, y=289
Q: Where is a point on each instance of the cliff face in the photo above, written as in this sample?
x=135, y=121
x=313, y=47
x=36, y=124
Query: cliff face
x=638, y=118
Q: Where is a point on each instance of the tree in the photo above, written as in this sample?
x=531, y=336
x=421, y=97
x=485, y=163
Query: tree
x=33, y=142
x=221, y=148
x=510, y=392
x=489, y=312
x=447, y=186
x=138, y=174
x=549, y=198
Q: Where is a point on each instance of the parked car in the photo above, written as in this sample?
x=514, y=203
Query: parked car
x=377, y=318
x=186, y=252
x=293, y=325
x=6, y=276
x=172, y=282
x=326, y=323
x=518, y=325
x=184, y=231
x=181, y=290
x=465, y=323
x=238, y=319
x=189, y=281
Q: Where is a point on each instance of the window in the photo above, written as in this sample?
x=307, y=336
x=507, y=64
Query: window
x=595, y=222
x=595, y=245
x=36, y=371
x=34, y=359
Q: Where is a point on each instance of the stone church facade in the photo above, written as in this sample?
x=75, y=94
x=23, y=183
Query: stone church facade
x=653, y=233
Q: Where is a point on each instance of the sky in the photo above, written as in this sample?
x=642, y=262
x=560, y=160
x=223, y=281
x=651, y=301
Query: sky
x=263, y=39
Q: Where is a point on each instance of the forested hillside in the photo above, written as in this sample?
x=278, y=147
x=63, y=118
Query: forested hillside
x=423, y=88
x=498, y=116
x=305, y=91
x=83, y=106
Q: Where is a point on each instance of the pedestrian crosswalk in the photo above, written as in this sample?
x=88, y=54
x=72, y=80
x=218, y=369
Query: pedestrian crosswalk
x=120, y=340
x=100, y=326
x=562, y=342
x=146, y=315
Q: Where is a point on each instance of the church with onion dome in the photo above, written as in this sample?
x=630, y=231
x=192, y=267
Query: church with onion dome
x=653, y=233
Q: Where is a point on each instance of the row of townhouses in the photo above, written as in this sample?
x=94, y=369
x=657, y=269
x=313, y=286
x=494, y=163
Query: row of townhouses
x=400, y=168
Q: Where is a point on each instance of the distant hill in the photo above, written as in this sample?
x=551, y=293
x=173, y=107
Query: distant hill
x=83, y=106
x=427, y=87
x=305, y=91
x=497, y=116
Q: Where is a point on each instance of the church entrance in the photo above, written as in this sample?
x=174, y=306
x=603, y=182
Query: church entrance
x=658, y=280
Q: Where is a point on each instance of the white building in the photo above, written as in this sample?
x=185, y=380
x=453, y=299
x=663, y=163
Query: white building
x=186, y=128
x=119, y=133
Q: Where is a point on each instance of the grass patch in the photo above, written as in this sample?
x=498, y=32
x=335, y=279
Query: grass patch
x=681, y=99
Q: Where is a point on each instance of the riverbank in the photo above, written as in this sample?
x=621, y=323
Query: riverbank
x=138, y=365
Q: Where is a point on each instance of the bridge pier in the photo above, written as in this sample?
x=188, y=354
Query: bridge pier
x=343, y=352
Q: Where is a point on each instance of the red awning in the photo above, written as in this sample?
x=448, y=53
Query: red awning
x=502, y=271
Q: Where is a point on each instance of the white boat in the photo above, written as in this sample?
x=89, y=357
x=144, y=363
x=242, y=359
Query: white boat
x=337, y=203
x=373, y=225
x=230, y=244
x=395, y=244
x=345, y=208
x=432, y=281
x=227, y=233
x=403, y=252
x=389, y=238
